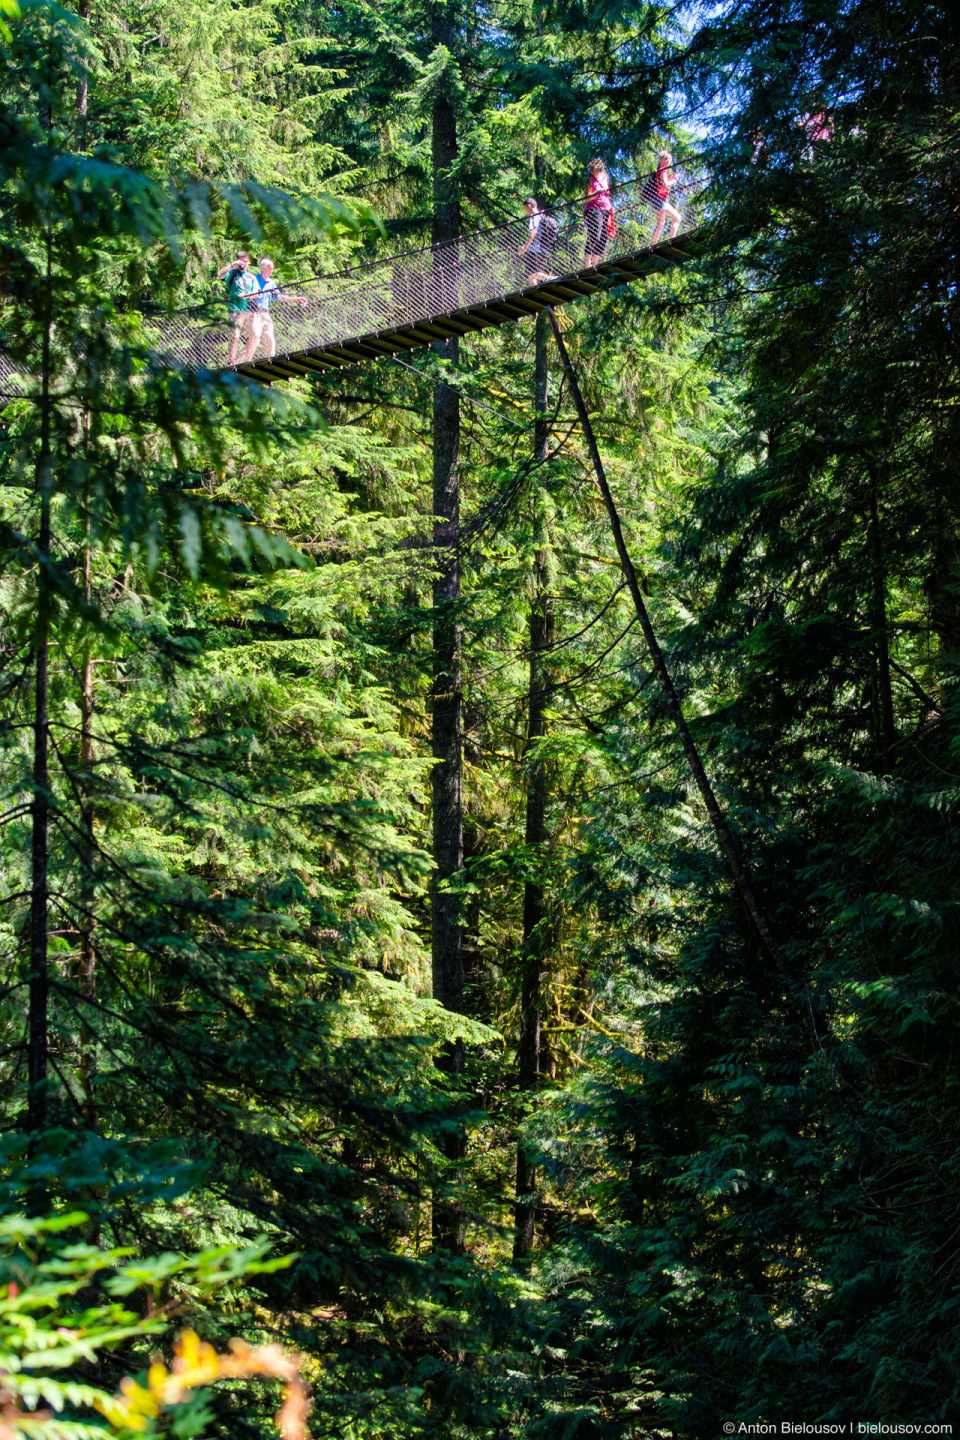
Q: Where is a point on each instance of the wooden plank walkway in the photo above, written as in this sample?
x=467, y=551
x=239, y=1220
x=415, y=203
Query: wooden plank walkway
x=497, y=310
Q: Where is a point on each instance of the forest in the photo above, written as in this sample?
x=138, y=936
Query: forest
x=479, y=855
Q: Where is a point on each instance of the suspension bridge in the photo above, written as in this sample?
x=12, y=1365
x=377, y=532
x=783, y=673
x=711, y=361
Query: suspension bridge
x=460, y=287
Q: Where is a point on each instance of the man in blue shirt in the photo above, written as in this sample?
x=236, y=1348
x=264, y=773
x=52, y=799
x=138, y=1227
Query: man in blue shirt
x=261, y=321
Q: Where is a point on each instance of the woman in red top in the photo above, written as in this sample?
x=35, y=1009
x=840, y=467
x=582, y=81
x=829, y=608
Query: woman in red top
x=656, y=192
x=596, y=212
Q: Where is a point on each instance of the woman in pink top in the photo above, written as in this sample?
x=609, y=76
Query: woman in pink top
x=596, y=212
x=656, y=192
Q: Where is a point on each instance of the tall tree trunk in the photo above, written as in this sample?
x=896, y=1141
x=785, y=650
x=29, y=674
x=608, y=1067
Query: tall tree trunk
x=39, y=985
x=534, y=907
x=87, y=976
x=447, y=775
x=82, y=89
x=39, y=977
x=886, y=738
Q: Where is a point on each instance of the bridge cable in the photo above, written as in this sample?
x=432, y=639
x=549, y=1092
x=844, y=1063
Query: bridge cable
x=722, y=832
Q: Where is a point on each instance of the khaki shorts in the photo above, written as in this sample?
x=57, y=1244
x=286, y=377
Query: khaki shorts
x=261, y=328
x=240, y=321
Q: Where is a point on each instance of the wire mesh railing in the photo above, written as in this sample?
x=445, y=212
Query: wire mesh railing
x=10, y=382
x=434, y=281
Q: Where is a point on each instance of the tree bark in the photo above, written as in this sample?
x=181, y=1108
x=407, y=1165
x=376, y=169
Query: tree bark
x=87, y=968
x=886, y=739
x=721, y=830
x=535, y=834
x=447, y=736
x=39, y=976
x=82, y=89
x=39, y=985
x=446, y=204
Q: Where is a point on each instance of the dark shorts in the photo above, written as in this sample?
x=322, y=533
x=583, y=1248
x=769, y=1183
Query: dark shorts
x=596, y=231
x=535, y=261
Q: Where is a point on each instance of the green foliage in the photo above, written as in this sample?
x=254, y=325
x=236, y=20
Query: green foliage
x=67, y=1315
x=769, y=1180
x=746, y=1191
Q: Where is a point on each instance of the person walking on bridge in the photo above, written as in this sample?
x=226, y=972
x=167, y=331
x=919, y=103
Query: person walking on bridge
x=596, y=212
x=240, y=286
x=261, y=321
x=656, y=192
x=539, y=242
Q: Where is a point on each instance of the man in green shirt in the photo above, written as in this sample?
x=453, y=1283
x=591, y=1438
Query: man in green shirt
x=240, y=286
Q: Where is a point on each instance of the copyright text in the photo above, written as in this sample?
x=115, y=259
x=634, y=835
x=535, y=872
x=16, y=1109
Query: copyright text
x=833, y=1427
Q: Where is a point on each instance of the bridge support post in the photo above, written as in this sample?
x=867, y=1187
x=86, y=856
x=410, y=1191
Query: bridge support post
x=535, y=917
x=447, y=701
x=447, y=773
x=722, y=832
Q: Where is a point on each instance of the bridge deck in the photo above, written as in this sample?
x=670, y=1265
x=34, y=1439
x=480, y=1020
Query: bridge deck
x=493, y=311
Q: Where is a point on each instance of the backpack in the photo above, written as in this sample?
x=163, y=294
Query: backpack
x=238, y=294
x=548, y=232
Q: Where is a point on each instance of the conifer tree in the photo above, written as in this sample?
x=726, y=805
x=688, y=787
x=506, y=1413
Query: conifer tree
x=205, y=862
x=757, y=1222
